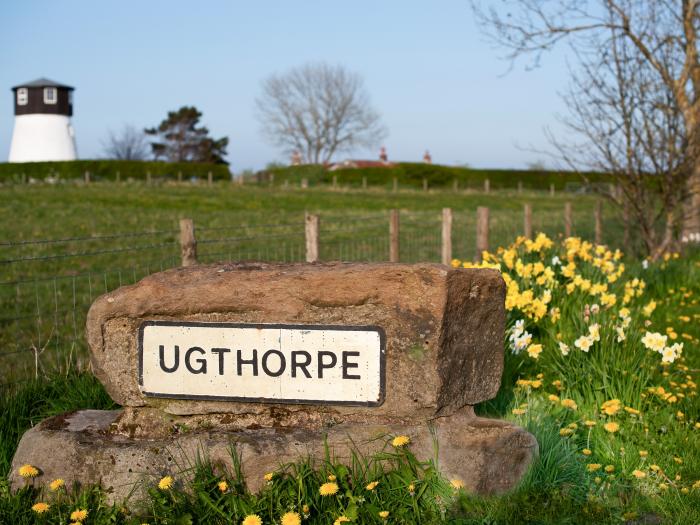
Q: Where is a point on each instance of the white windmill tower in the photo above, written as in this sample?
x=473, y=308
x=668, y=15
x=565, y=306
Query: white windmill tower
x=43, y=130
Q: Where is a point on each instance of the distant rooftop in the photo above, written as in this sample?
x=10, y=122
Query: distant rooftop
x=42, y=82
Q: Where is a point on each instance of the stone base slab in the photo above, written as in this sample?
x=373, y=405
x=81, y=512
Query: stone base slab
x=489, y=456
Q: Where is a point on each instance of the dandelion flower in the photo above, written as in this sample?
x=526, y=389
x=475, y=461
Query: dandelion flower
x=165, y=483
x=643, y=453
x=589, y=423
x=372, y=485
x=569, y=403
x=586, y=452
x=611, y=427
x=291, y=518
x=564, y=432
x=56, y=484
x=609, y=469
x=78, y=515
x=639, y=474
x=268, y=476
x=222, y=485
x=400, y=441
x=40, y=507
x=457, y=483
x=328, y=489
x=518, y=411
x=384, y=514
x=252, y=519
x=341, y=519
x=592, y=467
x=553, y=398
x=28, y=471
x=611, y=407
x=331, y=477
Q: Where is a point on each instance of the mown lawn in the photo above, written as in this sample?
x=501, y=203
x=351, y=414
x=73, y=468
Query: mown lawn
x=594, y=369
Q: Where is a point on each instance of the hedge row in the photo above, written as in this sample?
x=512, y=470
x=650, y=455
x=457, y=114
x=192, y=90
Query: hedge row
x=108, y=169
x=412, y=174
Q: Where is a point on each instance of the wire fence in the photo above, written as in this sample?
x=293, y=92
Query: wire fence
x=48, y=285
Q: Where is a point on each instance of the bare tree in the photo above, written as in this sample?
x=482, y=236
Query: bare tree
x=628, y=126
x=127, y=144
x=663, y=34
x=318, y=110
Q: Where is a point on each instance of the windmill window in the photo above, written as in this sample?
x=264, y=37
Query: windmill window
x=22, y=97
x=49, y=95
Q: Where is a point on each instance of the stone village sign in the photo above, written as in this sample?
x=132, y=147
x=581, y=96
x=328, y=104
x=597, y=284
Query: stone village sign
x=284, y=359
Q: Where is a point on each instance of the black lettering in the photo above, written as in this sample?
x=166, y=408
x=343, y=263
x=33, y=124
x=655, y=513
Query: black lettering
x=161, y=351
x=253, y=362
x=283, y=363
x=202, y=362
x=347, y=365
x=322, y=365
x=302, y=366
x=221, y=352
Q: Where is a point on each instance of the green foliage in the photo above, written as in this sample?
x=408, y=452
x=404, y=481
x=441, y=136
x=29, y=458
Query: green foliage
x=104, y=169
x=438, y=176
x=38, y=399
x=179, y=139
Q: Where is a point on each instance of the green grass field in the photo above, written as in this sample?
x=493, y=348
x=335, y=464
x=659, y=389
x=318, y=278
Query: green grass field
x=618, y=428
x=114, y=234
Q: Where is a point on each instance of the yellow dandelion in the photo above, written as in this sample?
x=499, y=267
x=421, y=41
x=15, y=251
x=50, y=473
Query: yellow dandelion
x=268, y=476
x=569, y=403
x=40, y=507
x=663, y=486
x=655, y=468
x=411, y=488
x=328, y=489
x=639, y=474
x=592, y=467
x=609, y=469
x=518, y=411
x=165, y=483
x=56, y=484
x=331, y=477
x=589, y=423
x=643, y=453
x=384, y=514
x=372, y=485
x=553, y=398
x=611, y=427
x=222, y=485
x=291, y=518
x=564, y=432
x=457, y=483
x=400, y=441
x=79, y=515
x=678, y=460
x=341, y=519
x=28, y=471
x=252, y=519
x=586, y=452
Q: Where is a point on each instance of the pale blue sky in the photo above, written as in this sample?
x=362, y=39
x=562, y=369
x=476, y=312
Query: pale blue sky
x=436, y=81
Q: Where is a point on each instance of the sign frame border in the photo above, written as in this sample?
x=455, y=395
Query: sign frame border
x=266, y=400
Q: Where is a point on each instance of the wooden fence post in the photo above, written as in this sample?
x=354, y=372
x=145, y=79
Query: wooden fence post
x=364, y=183
x=482, y=231
x=311, y=234
x=210, y=178
x=567, y=219
x=425, y=184
x=598, y=214
x=551, y=190
x=87, y=177
x=455, y=185
x=188, y=243
x=487, y=185
x=304, y=183
x=447, y=236
x=394, y=236
x=396, y=184
x=527, y=209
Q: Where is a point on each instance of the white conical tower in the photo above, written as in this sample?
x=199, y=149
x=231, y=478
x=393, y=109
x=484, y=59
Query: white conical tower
x=43, y=130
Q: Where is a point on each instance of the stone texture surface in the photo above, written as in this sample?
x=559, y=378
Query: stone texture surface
x=444, y=331
x=489, y=456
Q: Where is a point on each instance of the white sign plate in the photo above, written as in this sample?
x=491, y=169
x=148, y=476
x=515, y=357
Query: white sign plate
x=268, y=363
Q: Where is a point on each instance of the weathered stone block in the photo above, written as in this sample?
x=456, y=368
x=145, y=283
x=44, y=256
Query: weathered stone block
x=88, y=447
x=444, y=331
